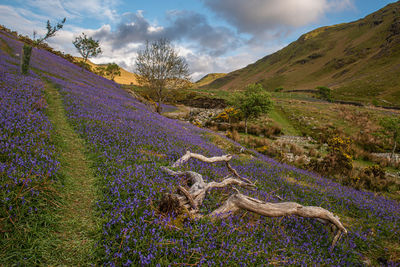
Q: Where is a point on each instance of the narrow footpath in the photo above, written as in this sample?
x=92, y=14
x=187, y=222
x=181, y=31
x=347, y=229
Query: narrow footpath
x=78, y=230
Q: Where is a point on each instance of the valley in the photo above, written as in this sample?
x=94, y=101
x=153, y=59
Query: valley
x=92, y=174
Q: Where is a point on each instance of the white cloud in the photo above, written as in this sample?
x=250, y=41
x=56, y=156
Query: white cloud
x=74, y=9
x=12, y=18
x=259, y=16
x=52, y=8
x=202, y=64
x=207, y=48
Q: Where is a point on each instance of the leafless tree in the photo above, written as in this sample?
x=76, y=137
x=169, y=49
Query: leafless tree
x=159, y=67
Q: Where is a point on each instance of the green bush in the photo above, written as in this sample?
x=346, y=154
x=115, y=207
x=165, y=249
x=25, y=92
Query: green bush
x=252, y=102
x=26, y=58
x=325, y=93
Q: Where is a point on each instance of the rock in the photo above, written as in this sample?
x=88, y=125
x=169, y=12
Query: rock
x=202, y=115
x=288, y=157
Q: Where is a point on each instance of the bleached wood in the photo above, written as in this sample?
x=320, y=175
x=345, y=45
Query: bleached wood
x=188, y=196
x=236, y=173
x=190, y=200
x=189, y=155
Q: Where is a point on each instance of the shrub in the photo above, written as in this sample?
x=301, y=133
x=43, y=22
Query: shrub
x=84, y=65
x=338, y=161
x=235, y=136
x=255, y=129
x=313, y=153
x=325, y=93
x=372, y=178
x=223, y=126
x=228, y=115
x=26, y=58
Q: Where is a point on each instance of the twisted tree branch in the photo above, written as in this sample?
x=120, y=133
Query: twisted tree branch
x=193, y=198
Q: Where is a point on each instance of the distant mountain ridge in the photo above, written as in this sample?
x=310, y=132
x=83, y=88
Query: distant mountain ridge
x=209, y=78
x=358, y=60
x=126, y=77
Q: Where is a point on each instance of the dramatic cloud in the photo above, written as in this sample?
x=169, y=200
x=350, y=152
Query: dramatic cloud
x=260, y=16
x=183, y=26
x=249, y=29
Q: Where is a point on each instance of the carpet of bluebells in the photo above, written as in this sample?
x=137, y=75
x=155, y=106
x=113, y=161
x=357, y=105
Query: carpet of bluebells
x=129, y=143
x=28, y=162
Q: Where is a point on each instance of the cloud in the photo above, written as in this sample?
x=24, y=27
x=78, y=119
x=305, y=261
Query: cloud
x=260, y=16
x=206, y=47
x=16, y=19
x=73, y=9
x=183, y=26
x=202, y=64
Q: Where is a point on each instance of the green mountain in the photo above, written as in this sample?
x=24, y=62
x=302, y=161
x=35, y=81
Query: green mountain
x=358, y=60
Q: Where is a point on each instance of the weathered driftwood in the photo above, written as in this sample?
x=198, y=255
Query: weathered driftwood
x=191, y=199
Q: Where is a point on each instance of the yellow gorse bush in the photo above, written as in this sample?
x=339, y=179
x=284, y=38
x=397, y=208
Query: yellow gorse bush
x=227, y=114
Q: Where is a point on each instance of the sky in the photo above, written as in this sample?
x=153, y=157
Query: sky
x=212, y=35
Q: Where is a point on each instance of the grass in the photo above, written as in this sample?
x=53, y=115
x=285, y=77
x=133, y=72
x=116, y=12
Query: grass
x=28, y=242
x=209, y=78
x=283, y=122
x=65, y=228
x=73, y=239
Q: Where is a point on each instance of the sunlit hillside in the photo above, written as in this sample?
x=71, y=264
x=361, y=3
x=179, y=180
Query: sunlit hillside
x=126, y=77
x=209, y=78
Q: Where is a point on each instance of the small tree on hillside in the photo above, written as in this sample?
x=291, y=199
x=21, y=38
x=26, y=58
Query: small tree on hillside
x=253, y=102
x=391, y=129
x=159, y=67
x=113, y=70
x=87, y=46
x=27, y=49
x=325, y=93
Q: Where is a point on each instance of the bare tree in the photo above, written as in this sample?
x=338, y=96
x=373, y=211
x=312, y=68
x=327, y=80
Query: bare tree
x=159, y=67
x=191, y=194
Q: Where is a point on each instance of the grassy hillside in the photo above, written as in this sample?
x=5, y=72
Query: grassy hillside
x=209, y=78
x=127, y=144
x=126, y=77
x=359, y=60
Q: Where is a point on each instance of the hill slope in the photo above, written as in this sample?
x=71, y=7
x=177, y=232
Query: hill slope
x=128, y=144
x=125, y=78
x=209, y=78
x=360, y=60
